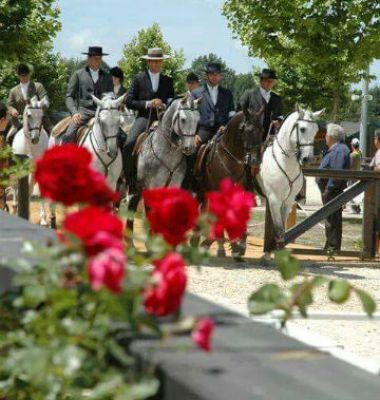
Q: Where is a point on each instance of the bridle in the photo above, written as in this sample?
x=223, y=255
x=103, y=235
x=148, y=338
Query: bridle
x=37, y=128
x=179, y=133
x=106, y=165
x=299, y=145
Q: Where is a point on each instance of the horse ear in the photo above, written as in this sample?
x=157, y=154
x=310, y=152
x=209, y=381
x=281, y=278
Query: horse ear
x=44, y=102
x=198, y=100
x=319, y=113
x=184, y=99
x=118, y=102
x=97, y=101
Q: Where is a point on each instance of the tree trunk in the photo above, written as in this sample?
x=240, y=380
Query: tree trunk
x=336, y=108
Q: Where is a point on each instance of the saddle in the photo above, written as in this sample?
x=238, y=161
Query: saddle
x=141, y=139
x=64, y=124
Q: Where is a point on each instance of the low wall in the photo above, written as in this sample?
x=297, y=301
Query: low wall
x=250, y=361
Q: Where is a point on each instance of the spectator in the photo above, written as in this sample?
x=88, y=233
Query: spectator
x=375, y=163
x=336, y=157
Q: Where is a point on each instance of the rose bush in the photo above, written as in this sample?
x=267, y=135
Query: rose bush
x=64, y=174
x=172, y=212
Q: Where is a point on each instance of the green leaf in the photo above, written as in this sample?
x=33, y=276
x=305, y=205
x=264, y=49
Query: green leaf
x=266, y=299
x=287, y=264
x=318, y=281
x=367, y=301
x=339, y=291
x=139, y=391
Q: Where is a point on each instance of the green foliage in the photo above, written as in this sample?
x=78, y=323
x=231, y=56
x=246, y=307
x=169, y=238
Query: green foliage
x=299, y=295
x=131, y=63
x=23, y=24
x=17, y=167
x=62, y=340
x=319, y=46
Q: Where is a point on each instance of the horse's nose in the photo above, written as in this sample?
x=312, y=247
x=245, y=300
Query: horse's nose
x=305, y=160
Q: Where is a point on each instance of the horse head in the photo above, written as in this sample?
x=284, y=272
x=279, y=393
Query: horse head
x=251, y=128
x=32, y=118
x=303, y=133
x=107, y=119
x=184, y=118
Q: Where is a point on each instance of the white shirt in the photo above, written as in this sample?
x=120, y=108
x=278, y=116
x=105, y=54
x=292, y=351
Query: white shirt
x=94, y=75
x=116, y=89
x=265, y=94
x=213, y=90
x=24, y=89
x=155, y=79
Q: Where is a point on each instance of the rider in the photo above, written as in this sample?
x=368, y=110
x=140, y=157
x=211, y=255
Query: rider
x=150, y=92
x=192, y=81
x=19, y=97
x=217, y=105
x=117, y=81
x=262, y=96
x=87, y=81
x=216, y=109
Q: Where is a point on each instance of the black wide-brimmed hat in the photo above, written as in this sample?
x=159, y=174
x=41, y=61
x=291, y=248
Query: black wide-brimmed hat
x=155, y=53
x=117, y=72
x=23, y=69
x=95, y=51
x=214, y=67
x=192, y=77
x=267, y=74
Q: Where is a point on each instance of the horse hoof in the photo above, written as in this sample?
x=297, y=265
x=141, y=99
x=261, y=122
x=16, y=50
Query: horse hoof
x=221, y=253
x=53, y=223
x=44, y=223
x=265, y=260
x=238, y=259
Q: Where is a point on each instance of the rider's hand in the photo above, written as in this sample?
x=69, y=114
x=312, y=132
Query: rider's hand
x=157, y=103
x=76, y=118
x=198, y=140
x=14, y=113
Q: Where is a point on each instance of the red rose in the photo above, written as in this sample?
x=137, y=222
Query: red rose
x=107, y=269
x=96, y=228
x=165, y=296
x=172, y=212
x=64, y=175
x=202, y=333
x=231, y=205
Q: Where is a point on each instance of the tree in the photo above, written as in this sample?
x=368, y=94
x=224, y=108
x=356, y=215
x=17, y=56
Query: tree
x=23, y=24
x=132, y=63
x=242, y=83
x=48, y=68
x=327, y=43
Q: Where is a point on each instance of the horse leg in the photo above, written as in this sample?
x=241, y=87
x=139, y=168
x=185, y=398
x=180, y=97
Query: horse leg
x=239, y=248
x=53, y=216
x=277, y=212
x=132, y=208
x=221, y=251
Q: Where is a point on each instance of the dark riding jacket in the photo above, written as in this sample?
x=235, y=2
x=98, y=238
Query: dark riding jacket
x=253, y=100
x=81, y=87
x=212, y=117
x=141, y=91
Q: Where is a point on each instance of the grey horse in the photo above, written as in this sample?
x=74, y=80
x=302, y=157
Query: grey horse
x=162, y=159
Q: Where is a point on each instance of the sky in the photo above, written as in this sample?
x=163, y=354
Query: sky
x=196, y=26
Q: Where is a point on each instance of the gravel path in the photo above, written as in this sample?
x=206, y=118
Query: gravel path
x=230, y=285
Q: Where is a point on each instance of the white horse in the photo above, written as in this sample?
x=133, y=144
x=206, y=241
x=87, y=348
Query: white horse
x=101, y=141
x=32, y=140
x=280, y=175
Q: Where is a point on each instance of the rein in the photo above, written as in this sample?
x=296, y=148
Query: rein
x=286, y=154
